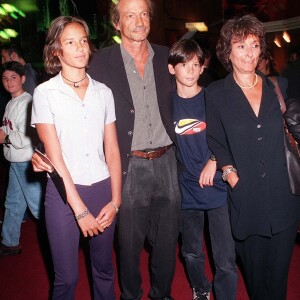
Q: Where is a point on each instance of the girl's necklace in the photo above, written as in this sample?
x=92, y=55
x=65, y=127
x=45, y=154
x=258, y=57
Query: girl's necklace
x=75, y=83
x=247, y=87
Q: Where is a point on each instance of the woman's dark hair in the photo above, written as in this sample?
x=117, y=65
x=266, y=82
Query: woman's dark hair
x=115, y=14
x=13, y=66
x=184, y=50
x=238, y=28
x=53, y=44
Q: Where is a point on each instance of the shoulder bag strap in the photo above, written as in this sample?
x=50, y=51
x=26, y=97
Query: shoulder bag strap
x=279, y=94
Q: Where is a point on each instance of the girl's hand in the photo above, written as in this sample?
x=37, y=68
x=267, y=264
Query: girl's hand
x=89, y=226
x=208, y=173
x=106, y=215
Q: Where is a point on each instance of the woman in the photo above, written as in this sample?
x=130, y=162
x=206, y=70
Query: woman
x=245, y=133
x=75, y=119
x=266, y=65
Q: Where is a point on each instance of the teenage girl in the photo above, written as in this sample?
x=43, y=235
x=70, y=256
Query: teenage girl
x=75, y=120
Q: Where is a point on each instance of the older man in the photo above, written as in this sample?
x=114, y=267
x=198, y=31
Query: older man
x=137, y=73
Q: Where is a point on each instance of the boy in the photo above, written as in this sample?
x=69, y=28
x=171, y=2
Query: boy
x=17, y=138
x=201, y=185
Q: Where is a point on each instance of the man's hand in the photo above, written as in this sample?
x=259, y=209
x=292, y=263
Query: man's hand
x=106, y=215
x=39, y=165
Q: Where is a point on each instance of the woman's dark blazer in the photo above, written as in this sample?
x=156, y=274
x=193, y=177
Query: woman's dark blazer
x=261, y=202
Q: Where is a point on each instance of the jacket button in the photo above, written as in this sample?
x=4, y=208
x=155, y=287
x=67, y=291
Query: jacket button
x=130, y=133
x=132, y=111
x=124, y=172
x=258, y=126
x=127, y=155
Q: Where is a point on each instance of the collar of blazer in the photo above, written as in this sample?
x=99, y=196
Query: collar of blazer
x=237, y=96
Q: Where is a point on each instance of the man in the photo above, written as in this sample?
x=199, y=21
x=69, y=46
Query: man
x=137, y=74
x=10, y=52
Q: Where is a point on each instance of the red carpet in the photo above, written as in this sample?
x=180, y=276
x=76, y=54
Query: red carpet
x=27, y=276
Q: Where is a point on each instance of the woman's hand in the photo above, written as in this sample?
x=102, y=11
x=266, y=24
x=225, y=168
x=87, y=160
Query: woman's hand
x=232, y=179
x=106, y=215
x=208, y=173
x=89, y=226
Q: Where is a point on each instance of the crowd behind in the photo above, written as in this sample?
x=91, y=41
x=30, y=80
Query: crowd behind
x=144, y=143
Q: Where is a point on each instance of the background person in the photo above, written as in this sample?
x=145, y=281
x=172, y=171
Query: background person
x=75, y=119
x=266, y=65
x=208, y=75
x=245, y=132
x=11, y=52
x=292, y=73
x=18, y=139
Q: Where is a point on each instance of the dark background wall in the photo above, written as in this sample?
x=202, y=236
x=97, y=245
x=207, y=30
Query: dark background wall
x=168, y=24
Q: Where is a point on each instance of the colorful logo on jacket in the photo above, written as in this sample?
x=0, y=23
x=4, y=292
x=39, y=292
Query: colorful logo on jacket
x=189, y=126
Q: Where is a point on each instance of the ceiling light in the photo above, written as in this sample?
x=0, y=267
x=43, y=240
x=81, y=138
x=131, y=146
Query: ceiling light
x=286, y=37
x=277, y=42
x=11, y=32
x=8, y=7
x=4, y=35
x=117, y=39
x=196, y=26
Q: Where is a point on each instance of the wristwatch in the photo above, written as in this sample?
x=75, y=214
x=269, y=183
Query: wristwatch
x=227, y=171
x=6, y=140
x=213, y=158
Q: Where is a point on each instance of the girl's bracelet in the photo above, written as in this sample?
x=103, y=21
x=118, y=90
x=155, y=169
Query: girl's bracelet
x=82, y=215
x=115, y=206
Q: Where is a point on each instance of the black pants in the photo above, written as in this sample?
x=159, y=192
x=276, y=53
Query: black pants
x=150, y=210
x=266, y=263
x=223, y=250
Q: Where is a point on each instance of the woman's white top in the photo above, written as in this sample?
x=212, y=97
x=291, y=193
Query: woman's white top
x=79, y=125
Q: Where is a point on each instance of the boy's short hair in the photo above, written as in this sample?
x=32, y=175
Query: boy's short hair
x=184, y=50
x=13, y=66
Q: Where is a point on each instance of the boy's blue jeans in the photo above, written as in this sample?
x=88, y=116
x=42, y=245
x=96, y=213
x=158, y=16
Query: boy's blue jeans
x=223, y=248
x=24, y=189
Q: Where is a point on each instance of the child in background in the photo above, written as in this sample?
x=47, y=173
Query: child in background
x=203, y=190
x=18, y=139
x=75, y=119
